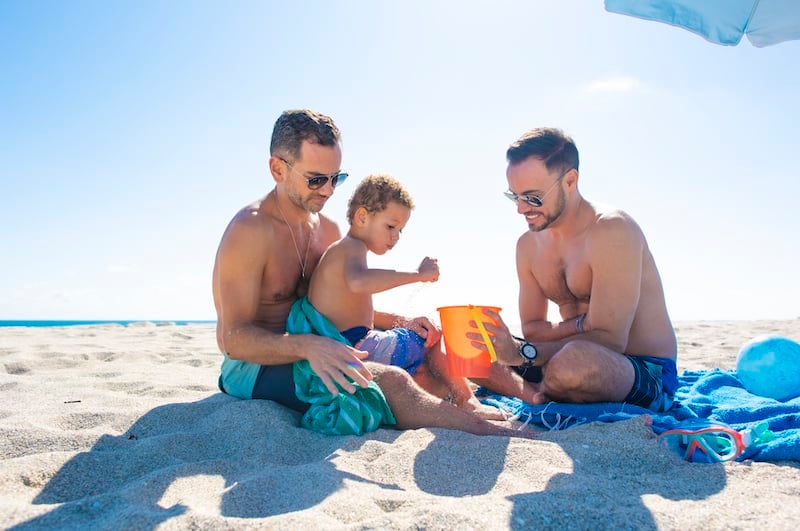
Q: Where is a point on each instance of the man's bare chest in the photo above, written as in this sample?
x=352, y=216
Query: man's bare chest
x=282, y=280
x=564, y=277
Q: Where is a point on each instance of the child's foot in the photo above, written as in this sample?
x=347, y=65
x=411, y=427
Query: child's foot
x=484, y=411
x=516, y=429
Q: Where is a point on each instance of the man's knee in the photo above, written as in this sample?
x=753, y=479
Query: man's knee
x=562, y=382
x=570, y=368
x=577, y=348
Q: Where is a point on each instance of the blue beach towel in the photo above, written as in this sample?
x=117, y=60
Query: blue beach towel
x=344, y=414
x=714, y=395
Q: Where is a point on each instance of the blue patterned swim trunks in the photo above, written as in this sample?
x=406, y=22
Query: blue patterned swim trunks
x=654, y=383
x=399, y=347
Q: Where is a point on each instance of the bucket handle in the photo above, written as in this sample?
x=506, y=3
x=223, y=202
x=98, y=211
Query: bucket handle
x=484, y=334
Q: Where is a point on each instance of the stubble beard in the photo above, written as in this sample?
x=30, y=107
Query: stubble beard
x=313, y=208
x=549, y=219
x=305, y=203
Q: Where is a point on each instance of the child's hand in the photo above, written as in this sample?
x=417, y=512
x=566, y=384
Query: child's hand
x=428, y=270
x=425, y=328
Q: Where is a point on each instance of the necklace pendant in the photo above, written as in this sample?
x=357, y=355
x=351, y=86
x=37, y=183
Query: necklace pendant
x=302, y=287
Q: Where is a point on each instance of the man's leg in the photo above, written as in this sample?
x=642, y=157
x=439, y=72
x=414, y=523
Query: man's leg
x=276, y=383
x=583, y=372
x=415, y=408
x=427, y=378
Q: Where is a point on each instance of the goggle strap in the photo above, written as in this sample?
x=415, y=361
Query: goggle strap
x=758, y=434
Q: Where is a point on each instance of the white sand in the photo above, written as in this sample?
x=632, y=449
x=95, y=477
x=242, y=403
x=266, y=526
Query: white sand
x=123, y=427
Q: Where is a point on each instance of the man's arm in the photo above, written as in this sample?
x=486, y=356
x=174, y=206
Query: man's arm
x=615, y=250
x=533, y=302
x=616, y=261
x=238, y=273
x=236, y=287
x=616, y=253
x=239, y=268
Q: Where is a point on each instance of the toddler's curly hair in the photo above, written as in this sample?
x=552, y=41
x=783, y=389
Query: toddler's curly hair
x=375, y=192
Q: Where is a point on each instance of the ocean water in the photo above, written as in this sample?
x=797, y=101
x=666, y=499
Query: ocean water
x=41, y=323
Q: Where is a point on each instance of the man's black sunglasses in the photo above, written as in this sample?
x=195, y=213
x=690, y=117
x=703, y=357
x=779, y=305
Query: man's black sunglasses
x=318, y=181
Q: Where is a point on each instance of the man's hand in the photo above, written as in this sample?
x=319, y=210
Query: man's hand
x=333, y=362
x=505, y=346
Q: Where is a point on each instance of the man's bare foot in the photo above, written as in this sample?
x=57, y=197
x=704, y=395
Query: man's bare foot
x=539, y=398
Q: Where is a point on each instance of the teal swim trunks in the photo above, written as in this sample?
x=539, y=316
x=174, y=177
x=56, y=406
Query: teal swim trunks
x=263, y=382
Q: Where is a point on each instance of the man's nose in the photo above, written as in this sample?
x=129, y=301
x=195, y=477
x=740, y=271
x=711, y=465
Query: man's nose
x=328, y=188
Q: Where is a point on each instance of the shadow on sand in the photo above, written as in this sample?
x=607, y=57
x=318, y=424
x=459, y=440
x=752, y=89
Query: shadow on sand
x=122, y=480
x=125, y=480
x=589, y=496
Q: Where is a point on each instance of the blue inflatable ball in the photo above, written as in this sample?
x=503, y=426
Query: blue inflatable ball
x=770, y=366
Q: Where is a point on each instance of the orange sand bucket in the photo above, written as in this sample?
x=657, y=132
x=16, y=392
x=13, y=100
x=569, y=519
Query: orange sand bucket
x=462, y=358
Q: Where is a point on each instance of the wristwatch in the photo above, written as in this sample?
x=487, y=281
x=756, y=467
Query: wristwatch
x=528, y=352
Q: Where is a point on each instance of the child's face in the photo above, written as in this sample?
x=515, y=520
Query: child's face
x=383, y=228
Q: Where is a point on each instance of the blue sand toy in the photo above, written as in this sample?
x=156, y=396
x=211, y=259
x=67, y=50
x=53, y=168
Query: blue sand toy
x=770, y=366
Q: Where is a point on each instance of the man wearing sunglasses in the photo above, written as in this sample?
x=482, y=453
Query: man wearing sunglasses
x=615, y=342
x=263, y=265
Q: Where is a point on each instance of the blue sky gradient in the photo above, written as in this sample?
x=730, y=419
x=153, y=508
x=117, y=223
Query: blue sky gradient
x=131, y=132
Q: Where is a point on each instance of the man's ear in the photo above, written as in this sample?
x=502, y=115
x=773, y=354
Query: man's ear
x=572, y=178
x=278, y=168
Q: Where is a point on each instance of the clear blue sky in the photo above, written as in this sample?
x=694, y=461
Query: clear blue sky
x=131, y=132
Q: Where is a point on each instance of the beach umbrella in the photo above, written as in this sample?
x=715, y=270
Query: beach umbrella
x=765, y=22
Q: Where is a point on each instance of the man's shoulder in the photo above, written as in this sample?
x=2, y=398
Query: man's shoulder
x=614, y=222
x=326, y=221
x=610, y=216
x=250, y=221
x=252, y=212
x=329, y=229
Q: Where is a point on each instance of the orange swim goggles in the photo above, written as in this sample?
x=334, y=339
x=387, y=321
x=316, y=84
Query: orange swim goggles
x=712, y=442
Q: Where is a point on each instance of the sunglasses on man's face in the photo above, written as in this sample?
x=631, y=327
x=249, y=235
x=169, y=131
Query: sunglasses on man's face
x=533, y=200
x=318, y=181
x=530, y=199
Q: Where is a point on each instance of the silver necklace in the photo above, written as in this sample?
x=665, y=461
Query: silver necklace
x=294, y=241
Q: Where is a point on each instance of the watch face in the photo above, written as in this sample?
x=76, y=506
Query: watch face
x=528, y=351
